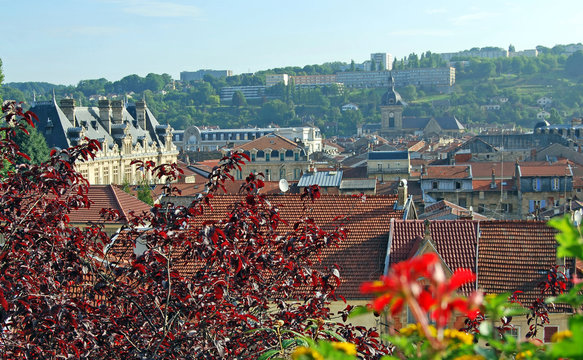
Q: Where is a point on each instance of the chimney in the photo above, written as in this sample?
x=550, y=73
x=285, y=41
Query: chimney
x=116, y=111
x=493, y=183
x=104, y=110
x=141, y=113
x=427, y=235
x=402, y=193
x=68, y=107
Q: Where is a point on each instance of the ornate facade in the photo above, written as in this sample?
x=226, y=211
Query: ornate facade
x=126, y=133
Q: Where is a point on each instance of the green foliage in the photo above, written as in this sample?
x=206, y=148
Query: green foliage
x=568, y=237
x=33, y=144
x=574, y=64
x=238, y=99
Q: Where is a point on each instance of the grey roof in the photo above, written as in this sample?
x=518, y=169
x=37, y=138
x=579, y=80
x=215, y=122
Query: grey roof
x=415, y=122
x=61, y=132
x=449, y=123
x=358, y=184
x=388, y=155
x=321, y=178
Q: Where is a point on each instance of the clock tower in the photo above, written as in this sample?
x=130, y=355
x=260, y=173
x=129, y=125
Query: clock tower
x=392, y=109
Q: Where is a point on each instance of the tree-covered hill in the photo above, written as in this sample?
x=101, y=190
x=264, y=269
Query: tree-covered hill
x=501, y=90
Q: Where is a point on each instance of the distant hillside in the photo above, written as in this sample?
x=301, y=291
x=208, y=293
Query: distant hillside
x=502, y=90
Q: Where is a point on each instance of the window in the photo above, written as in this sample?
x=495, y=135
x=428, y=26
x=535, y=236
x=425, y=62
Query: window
x=434, y=185
x=458, y=185
x=106, y=174
x=260, y=154
x=462, y=202
x=380, y=167
x=549, y=332
x=115, y=174
x=481, y=208
x=296, y=174
x=267, y=175
x=507, y=208
x=128, y=174
x=281, y=173
x=481, y=195
x=296, y=156
x=281, y=156
x=267, y=156
x=536, y=184
x=515, y=332
x=97, y=179
x=556, y=183
x=253, y=157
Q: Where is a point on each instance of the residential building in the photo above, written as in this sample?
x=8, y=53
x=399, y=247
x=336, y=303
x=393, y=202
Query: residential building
x=274, y=79
x=250, y=92
x=126, y=133
x=388, y=165
x=299, y=80
x=195, y=138
x=448, y=182
x=274, y=156
x=382, y=61
x=541, y=185
x=200, y=74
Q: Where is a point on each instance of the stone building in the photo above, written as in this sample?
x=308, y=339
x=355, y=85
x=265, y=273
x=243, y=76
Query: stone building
x=126, y=133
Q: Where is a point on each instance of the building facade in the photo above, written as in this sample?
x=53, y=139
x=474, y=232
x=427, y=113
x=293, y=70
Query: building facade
x=274, y=156
x=126, y=133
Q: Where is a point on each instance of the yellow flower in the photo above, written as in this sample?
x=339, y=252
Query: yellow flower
x=524, y=355
x=470, y=357
x=561, y=335
x=345, y=347
x=409, y=330
x=458, y=336
x=304, y=351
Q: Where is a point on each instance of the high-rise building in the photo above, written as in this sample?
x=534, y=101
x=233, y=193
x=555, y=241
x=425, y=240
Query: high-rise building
x=382, y=61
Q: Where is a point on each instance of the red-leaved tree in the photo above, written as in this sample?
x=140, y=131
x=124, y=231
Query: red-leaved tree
x=168, y=286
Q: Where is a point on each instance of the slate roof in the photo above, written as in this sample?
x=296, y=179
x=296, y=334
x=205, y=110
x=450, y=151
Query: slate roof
x=105, y=197
x=388, y=155
x=449, y=123
x=67, y=132
x=447, y=172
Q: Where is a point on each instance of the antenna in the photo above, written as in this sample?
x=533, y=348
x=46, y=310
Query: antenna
x=283, y=185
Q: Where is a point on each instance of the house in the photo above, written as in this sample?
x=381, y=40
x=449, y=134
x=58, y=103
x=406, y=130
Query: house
x=544, y=101
x=541, y=185
x=506, y=256
x=275, y=156
x=126, y=132
x=448, y=182
x=349, y=106
x=388, y=165
x=107, y=197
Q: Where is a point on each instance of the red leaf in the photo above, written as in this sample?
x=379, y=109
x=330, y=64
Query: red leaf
x=3, y=300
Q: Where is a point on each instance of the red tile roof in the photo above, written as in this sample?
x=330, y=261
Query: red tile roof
x=270, y=141
x=446, y=210
x=483, y=170
x=527, y=169
x=515, y=255
x=447, y=172
x=107, y=196
x=455, y=242
x=361, y=257
x=484, y=185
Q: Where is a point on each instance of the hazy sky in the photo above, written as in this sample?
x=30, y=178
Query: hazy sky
x=64, y=41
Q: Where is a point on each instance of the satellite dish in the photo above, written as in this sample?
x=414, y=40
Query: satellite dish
x=283, y=185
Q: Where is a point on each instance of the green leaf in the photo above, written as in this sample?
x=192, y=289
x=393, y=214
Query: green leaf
x=358, y=310
x=287, y=343
x=568, y=237
x=570, y=348
x=334, y=335
x=268, y=354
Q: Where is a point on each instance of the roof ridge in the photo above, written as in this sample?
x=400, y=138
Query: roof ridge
x=117, y=199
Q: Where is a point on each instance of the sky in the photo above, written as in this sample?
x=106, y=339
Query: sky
x=65, y=41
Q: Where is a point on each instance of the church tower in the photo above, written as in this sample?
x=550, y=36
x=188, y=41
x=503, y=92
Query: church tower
x=392, y=109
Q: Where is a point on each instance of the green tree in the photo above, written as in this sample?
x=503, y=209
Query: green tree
x=511, y=48
x=574, y=64
x=238, y=99
x=275, y=111
x=34, y=145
